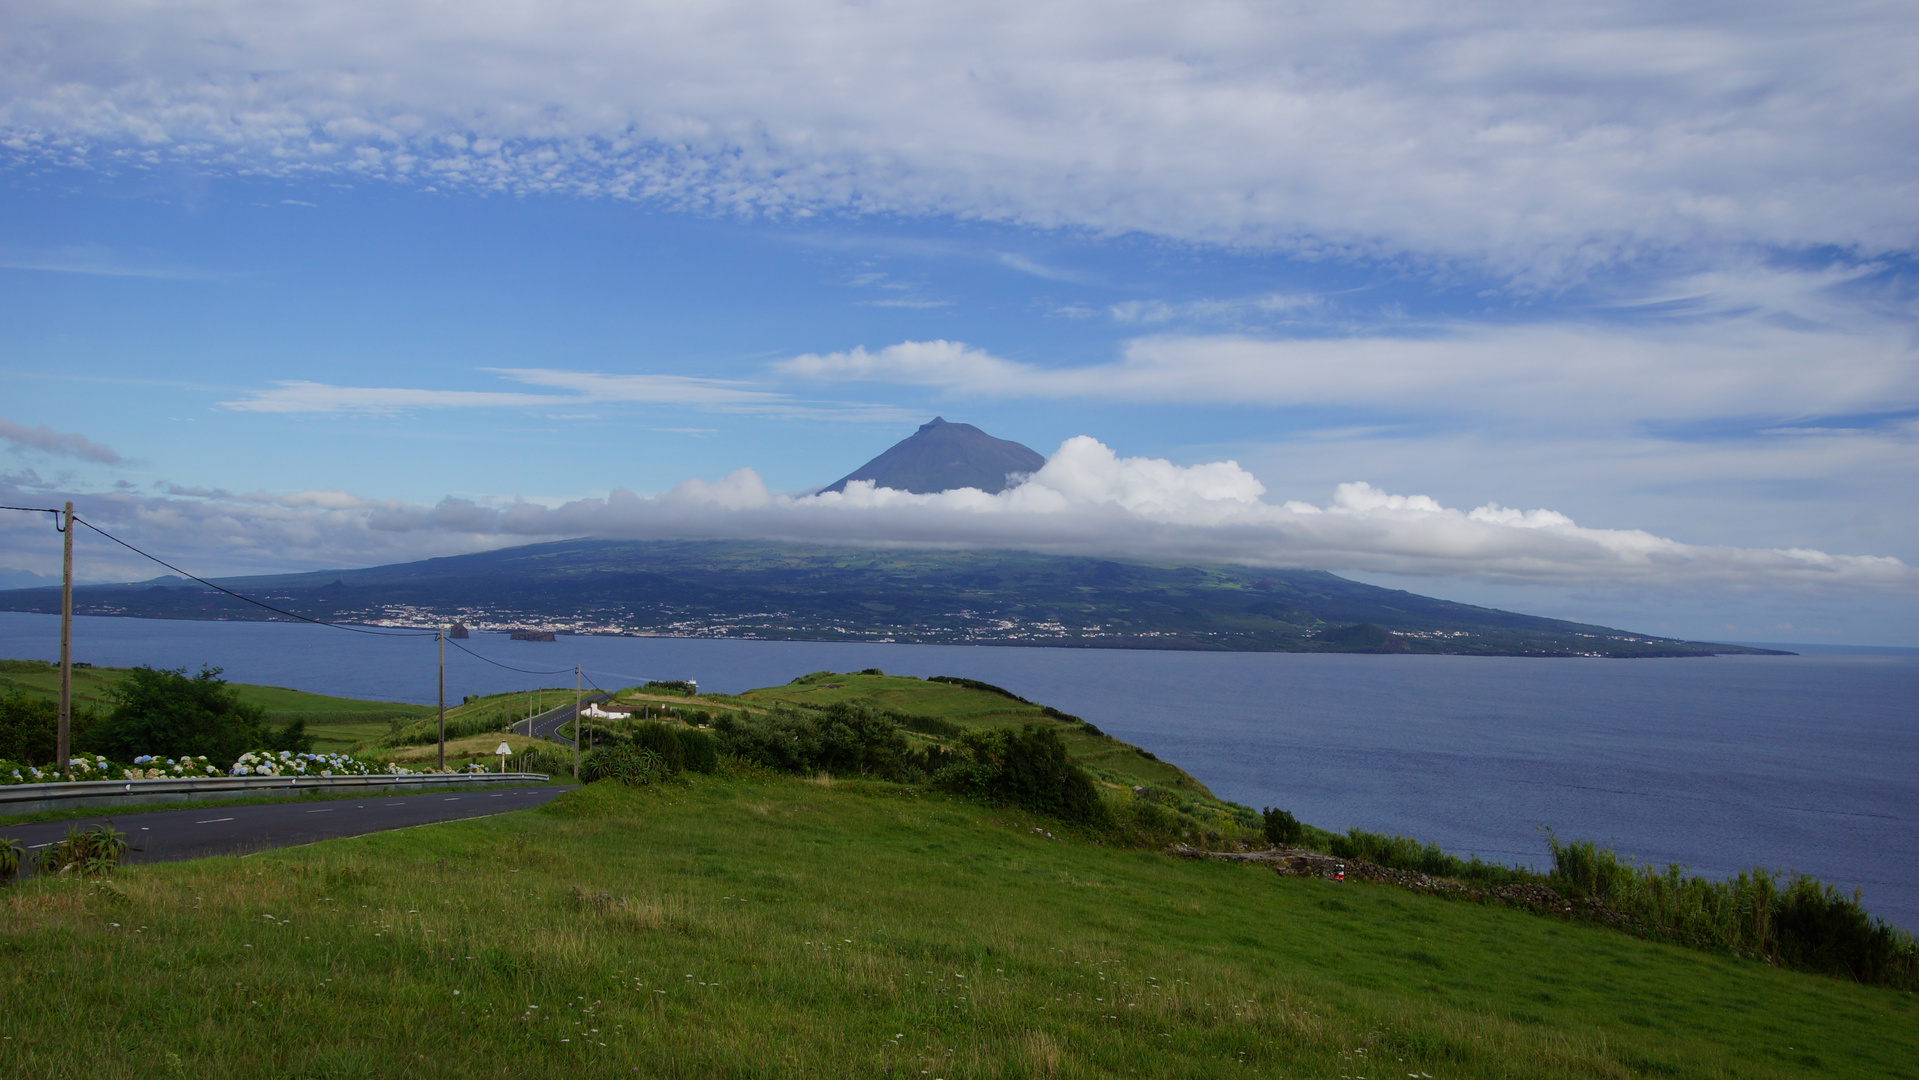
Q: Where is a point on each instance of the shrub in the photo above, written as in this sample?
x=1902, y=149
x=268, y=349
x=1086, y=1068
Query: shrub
x=12, y=854
x=1028, y=768
x=845, y=739
x=1281, y=827
x=288, y=763
x=975, y=684
x=28, y=728
x=664, y=741
x=173, y=715
x=544, y=759
x=701, y=751
x=1804, y=925
x=635, y=766
x=928, y=725
x=95, y=849
x=1405, y=853
x=670, y=686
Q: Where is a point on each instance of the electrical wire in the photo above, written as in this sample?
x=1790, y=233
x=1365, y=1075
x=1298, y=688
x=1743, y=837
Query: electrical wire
x=525, y=671
x=307, y=619
x=249, y=599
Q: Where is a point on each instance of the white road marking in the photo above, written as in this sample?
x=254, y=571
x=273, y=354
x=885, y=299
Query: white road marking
x=211, y=821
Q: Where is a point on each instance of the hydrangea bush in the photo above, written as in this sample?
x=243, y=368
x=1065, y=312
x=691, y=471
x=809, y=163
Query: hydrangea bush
x=95, y=767
x=254, y=763
x=288, y=763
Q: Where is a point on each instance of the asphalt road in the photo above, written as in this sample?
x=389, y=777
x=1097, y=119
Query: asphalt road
x=170, y=835
x=547, y=725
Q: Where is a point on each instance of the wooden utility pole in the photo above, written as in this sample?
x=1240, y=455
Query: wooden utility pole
x=576, y=721
x=63, y=736
x=440, y=638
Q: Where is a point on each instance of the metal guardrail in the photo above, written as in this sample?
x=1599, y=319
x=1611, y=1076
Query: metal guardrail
x=32, y=798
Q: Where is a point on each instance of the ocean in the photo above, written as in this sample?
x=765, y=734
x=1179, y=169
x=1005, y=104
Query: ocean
x=1806, y=763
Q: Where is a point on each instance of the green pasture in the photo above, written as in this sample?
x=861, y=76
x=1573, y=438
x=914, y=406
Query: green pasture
x=1118, y=763
x=337, y=723
x=752, y=926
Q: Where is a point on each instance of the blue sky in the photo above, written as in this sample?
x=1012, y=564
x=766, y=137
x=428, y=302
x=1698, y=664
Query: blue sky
x=286, y=288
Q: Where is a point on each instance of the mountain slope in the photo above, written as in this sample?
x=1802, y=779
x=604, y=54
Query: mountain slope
x=787, y=592
x=941, y=456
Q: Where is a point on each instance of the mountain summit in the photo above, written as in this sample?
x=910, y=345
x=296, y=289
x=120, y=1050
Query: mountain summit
x=942, y=456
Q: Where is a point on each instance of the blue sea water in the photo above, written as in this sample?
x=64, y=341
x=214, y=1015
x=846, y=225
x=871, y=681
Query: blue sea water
x=1807, y=763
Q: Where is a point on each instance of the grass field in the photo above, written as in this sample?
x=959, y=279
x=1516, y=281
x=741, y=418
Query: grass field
x=1107, y=758
x=775, y=927
x=336, y=723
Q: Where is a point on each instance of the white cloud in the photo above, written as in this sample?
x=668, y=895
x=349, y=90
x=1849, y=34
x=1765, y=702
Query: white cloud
x=1744, y=365
x=585, y=387
x=1540, y=139
x=1086, y=500
x=93, y=259
x=648, y=389
x=1272, y=307
x=61, y=444
x=295, y=396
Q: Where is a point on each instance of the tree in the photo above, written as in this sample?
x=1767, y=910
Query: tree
x=27, y=728
x=1281, y=827
x=170, y=714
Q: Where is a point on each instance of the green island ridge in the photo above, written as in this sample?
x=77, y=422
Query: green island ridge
x=857, y=874
x=795, y=592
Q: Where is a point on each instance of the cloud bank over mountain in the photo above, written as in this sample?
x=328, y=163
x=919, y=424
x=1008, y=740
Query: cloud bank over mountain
x=1085, y=500
x=1539, y=140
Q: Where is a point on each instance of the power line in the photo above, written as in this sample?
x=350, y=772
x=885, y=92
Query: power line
x=525, y=671
x=304, y=618
x=248, y=599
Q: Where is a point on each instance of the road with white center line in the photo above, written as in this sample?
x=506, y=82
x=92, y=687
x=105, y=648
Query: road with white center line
x=194, y=833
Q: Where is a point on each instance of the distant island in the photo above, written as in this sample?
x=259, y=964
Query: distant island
x=785, y=592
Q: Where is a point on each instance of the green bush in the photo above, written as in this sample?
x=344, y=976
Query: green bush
x=1405, y=853
x=1280, y=826
x=544, y=759
x=1029, y=768
x=28, y=727
x=95, y=849
x=701, y=751
x=12, y=854
x=975, y=684
x=169, y=714
x=664, y=741
x=928, y=725
x=1804, y=925
x=669, y=686
x=635, y=766
x=845, y=739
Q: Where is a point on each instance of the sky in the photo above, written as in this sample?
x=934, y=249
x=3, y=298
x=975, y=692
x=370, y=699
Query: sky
x=1601, y=311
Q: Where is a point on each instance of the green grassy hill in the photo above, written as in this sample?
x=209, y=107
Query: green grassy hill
x=769, y=927
x=752, y=924
x=337, y=723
